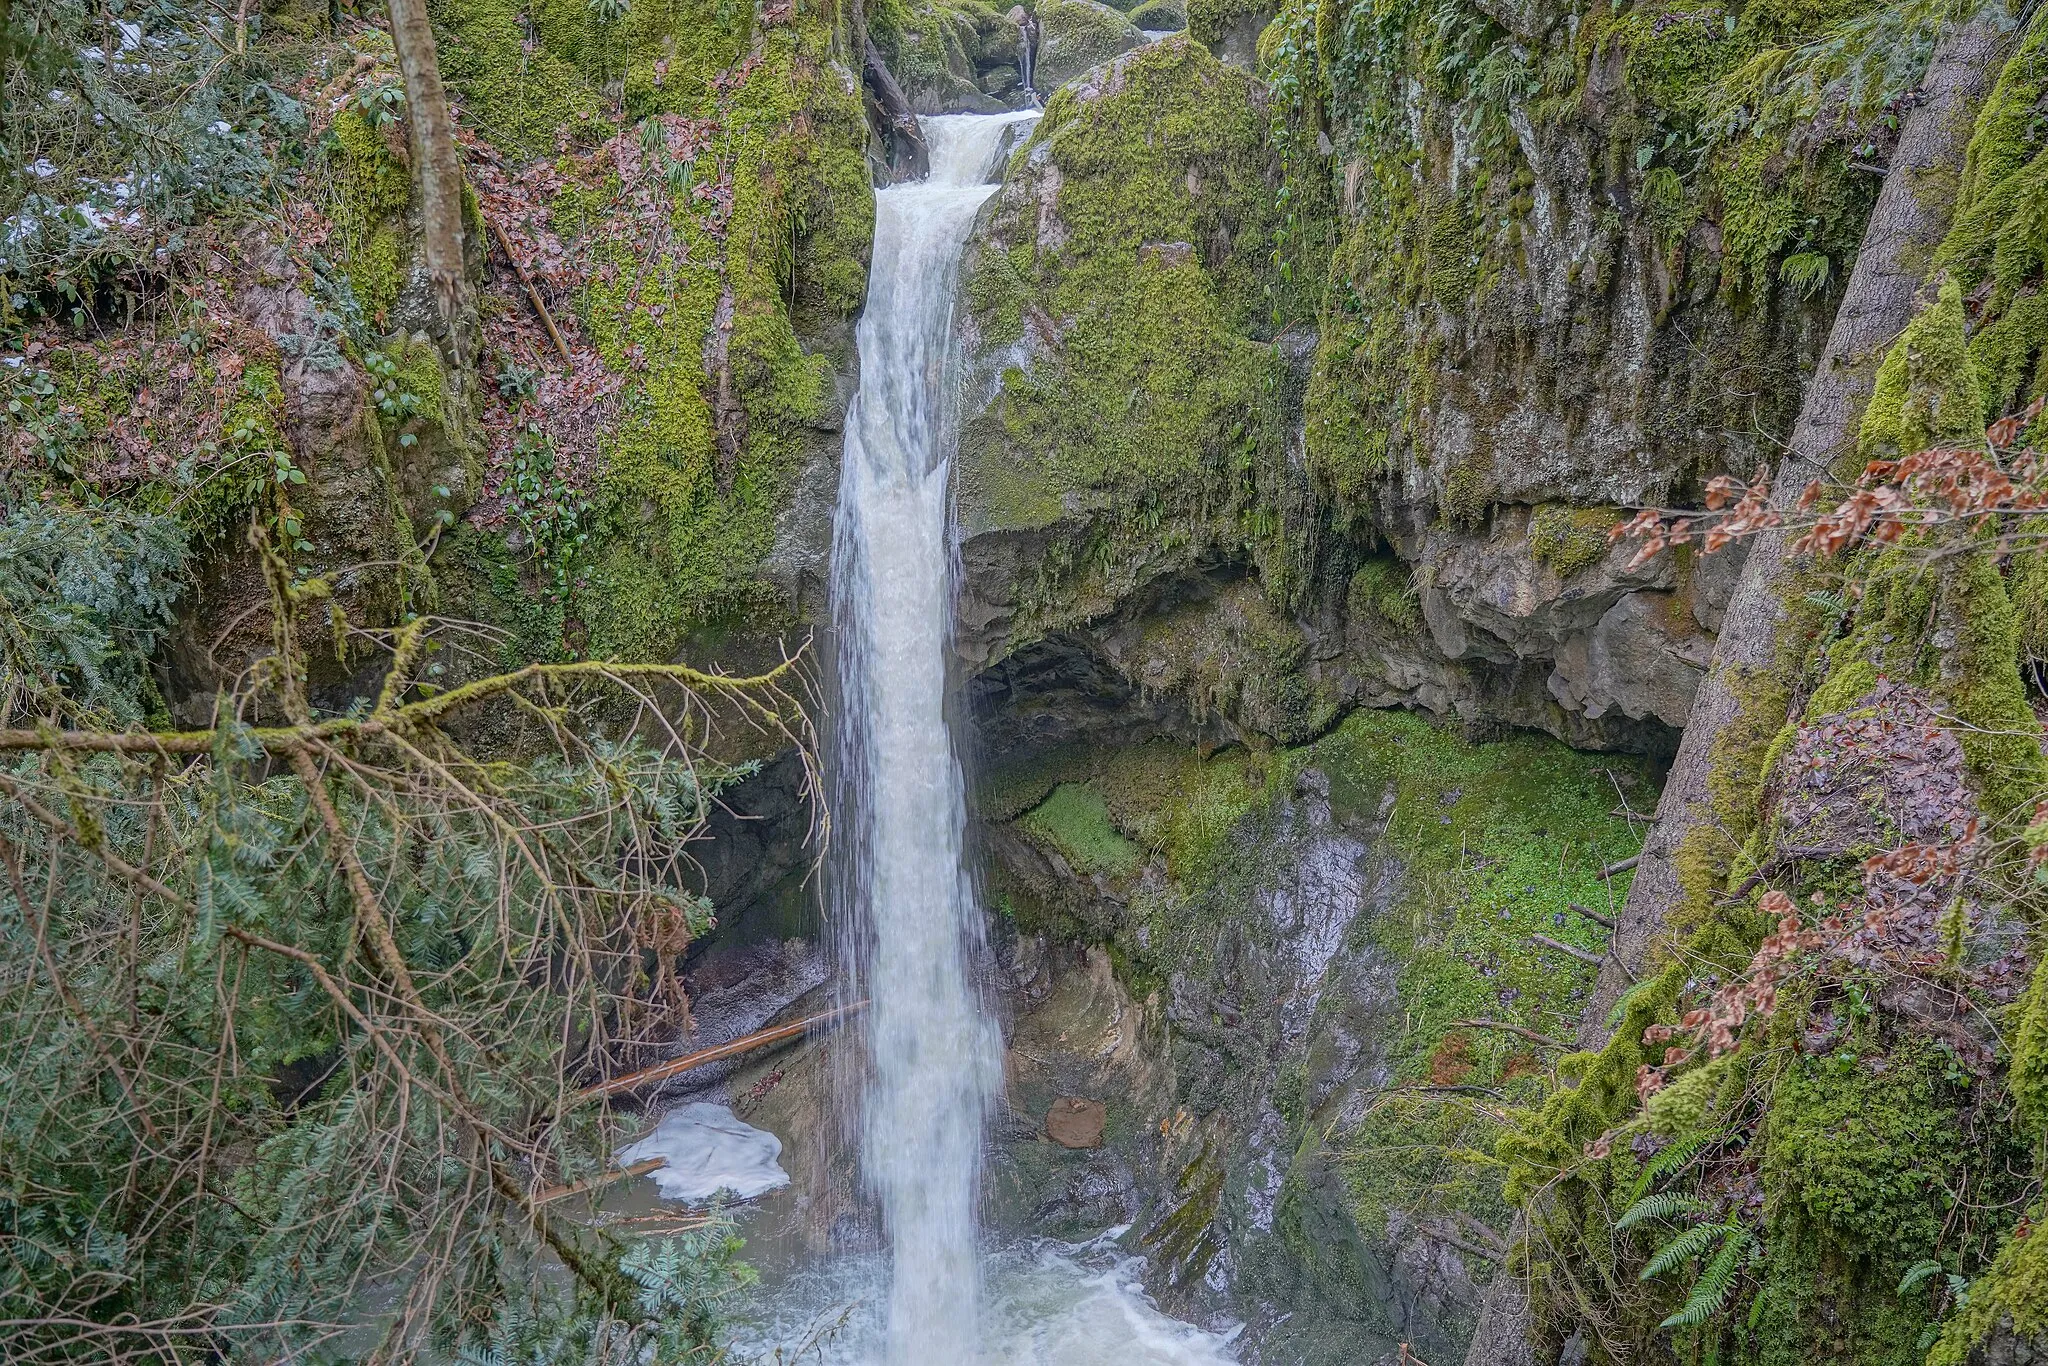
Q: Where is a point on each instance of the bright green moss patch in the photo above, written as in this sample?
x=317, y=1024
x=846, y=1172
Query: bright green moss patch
x=1496, y=841
x=1865, y=1144
x=726, y=320
x=1383, y=591
x=1075, y=821
x=1211, y=21
x=1129, y=316
x=1926, y=393
x=373, y=190
x=1159, y=15
x=2000, y=234
x=1569, y=539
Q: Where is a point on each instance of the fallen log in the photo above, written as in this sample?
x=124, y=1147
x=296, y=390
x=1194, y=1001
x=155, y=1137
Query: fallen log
x=895, y=106
x=746, y=1043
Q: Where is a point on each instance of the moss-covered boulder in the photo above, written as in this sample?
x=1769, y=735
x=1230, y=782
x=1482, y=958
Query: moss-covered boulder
x=952, y=56
x=1160, y=16
x=1075, y=35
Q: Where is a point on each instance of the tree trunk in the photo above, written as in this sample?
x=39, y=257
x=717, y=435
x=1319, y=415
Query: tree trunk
x=1737, y=710
x=437, y=166
x=909, y=159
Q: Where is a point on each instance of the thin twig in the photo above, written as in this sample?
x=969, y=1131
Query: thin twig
x=533, y=294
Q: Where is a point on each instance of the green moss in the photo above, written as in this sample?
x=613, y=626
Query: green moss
x=1212, y=21
x=1383, y=591
x=373, y=190
x=531, y=74
x=1980, y=678
x=2013, y=1293
x=1156, y=15
x=1865, y=1145
x=2000, y=233
x=1468, y=494
x=1451, y=264
x=1150, y=400
x=2027, y=585
x=1078, y=35
x=1075, y=821
x=1570, y=539
x=688, y=514
x=1926, y=392
x=1860, y=1160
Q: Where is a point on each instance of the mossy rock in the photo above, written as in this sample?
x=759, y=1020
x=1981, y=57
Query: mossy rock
x=1119, y=299
x=1157, y=16
x=754, y=300
x=949, y=55
x=1569, y=540
x=1078, y=35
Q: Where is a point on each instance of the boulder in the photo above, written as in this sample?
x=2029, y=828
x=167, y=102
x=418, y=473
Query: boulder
x=1160, y=16
x=1077, y=35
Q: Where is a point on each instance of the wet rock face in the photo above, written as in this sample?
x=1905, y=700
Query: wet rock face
x=959, y=58
x=1108, y=581
x=1212, y=1091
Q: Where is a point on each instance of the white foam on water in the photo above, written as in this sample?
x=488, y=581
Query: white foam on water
x=1046, y=1302
x=710, y=1152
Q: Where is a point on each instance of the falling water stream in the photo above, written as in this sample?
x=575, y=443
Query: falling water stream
x=934, y=1055
x=905, y=906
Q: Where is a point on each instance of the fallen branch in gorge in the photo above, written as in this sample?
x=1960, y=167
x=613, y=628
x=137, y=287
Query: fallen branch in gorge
x=746, y=1043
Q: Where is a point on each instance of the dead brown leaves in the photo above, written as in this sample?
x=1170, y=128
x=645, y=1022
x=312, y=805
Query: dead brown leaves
x=1970, y=486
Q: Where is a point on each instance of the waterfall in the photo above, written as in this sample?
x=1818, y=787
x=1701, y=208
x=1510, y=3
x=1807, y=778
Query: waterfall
x=909, y=924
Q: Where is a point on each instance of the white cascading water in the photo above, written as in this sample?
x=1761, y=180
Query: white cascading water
x=934, y=1055
x=904, y=904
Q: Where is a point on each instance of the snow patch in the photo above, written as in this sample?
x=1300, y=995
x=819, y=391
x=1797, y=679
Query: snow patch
x=709, y=1151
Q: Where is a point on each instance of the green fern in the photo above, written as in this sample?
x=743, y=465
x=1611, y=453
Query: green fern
x=1684, y=1247
x=1710, y=1292
x=1807, y=272
x=1662, y=1205
x=1667, y=1159
x=1917, y=1275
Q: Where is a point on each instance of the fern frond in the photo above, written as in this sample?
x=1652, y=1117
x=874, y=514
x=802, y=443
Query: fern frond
x=1710, y=1291
x=1669, y=1158
x=1917, y=1274
x=1662, y=1205
x=1807, y=272
x=1687, y=1245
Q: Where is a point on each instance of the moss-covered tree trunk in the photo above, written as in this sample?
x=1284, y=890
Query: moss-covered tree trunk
x=1708, y=801
x=437, y=173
